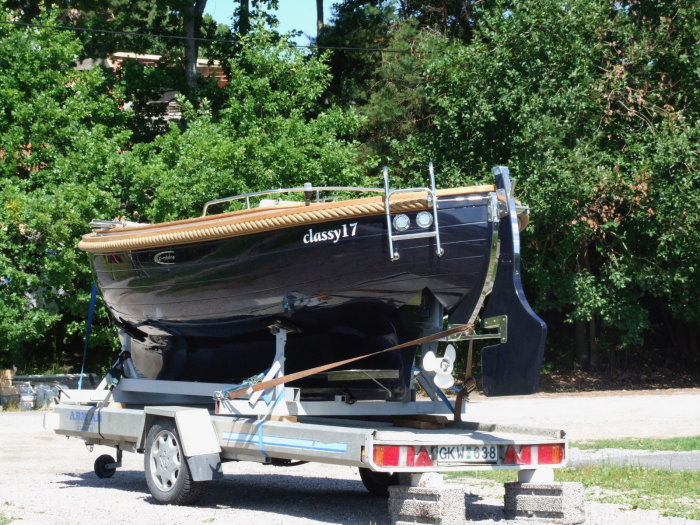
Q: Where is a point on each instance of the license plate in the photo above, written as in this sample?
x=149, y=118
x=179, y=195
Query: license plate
x=456, y=454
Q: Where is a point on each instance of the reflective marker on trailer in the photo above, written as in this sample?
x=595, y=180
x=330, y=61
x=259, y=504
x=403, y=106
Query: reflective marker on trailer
x=516, y=455
x=423, y=459
x=401, y=456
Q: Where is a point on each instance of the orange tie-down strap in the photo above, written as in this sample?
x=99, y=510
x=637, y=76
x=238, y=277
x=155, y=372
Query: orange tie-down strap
x=264, y=385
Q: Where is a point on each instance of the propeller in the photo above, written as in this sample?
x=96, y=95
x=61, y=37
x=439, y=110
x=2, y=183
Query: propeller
x=442, y=366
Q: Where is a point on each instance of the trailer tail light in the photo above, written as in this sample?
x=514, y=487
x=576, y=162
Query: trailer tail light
x=534, y=454
x=387, y=455
x=550, y=454
x=401, y=456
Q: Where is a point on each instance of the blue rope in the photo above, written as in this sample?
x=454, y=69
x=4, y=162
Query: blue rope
x=88, y=330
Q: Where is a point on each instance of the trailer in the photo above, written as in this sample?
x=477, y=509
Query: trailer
x=180, y=327
x=187, y=430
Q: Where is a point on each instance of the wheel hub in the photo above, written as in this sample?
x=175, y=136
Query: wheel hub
x=166, y=460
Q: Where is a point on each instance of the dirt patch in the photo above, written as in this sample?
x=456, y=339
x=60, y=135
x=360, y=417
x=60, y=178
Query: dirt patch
x=582, y=381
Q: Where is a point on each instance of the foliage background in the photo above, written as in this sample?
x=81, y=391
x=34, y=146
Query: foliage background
x=593, y=104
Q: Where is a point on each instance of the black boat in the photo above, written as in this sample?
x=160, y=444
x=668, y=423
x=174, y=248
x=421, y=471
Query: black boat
x=197, y=297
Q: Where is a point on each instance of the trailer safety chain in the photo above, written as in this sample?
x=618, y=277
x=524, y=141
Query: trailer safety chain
x=264, y=385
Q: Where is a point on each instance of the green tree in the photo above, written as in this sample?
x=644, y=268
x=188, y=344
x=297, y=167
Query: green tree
x=595, y=107
x=598, y=123
x=270, y=133
x=356, y=24
x=67, y=158
x=60, y=131
x=451, y=18
x=183, y=19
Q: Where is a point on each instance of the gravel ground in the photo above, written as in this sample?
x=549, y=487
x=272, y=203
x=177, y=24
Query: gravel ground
x=598, y=415
x=659, y=459
x=48, y=479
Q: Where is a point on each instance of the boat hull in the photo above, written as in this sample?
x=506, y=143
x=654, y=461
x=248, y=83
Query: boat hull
x=200, y=311
x=201, y=299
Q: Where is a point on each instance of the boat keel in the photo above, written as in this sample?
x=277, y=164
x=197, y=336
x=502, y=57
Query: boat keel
x=512, y=367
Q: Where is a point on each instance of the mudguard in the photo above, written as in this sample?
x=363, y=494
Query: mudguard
x=512, y=367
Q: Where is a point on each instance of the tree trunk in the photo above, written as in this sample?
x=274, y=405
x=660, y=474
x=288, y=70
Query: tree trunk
x=682, y=348
x=244, y=18
x=686, y=348
x=693, y=343
x=319, y=17
x=586, y=345
x=593, y=344
x=667, y=322
x=581, y=357
x=192, y=22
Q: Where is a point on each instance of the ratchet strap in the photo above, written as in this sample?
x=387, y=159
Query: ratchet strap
x=264, y=385
x=88, y=330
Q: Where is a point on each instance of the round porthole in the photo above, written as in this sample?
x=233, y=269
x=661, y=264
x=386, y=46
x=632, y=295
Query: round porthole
x=402, y=222
x=424, y=219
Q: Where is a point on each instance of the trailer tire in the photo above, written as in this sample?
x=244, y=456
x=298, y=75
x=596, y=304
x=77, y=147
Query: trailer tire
x=167, y=475
x=378, y=483
x=101, y=468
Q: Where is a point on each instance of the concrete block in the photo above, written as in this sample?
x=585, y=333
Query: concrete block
x=553, y=502
x=421, y=479
x=438, y=505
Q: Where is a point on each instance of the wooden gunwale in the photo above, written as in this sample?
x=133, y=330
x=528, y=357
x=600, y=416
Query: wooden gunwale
x=254, y=220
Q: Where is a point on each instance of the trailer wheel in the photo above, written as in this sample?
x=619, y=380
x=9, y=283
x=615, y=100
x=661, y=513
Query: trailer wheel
x=103, y=467
x=378, y=483
x=167, y=475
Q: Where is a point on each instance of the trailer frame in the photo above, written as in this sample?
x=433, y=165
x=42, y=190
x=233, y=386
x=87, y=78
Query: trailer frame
x=387, y=440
